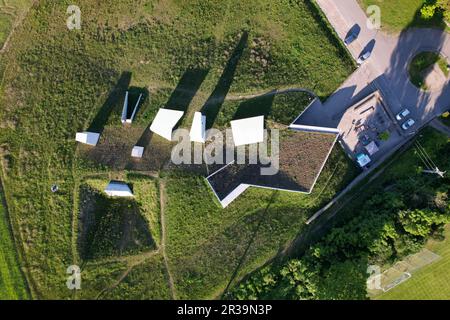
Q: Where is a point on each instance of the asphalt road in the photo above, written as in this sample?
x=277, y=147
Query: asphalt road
x=387, y=67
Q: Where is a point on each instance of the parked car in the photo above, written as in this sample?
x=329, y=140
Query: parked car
x=408, y=124
x=403, y=114
x=350, y=38
x=363, y=57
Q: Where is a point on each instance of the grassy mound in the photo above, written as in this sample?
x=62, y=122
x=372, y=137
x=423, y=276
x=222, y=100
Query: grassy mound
x=111, y=226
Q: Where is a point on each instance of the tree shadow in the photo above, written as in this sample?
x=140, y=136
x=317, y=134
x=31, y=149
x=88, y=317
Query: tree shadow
x=212, y=106
x=437, y=21
x=423, y=104
x=98, y=123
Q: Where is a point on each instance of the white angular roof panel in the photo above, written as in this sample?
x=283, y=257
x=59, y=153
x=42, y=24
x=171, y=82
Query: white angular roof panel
x=118, y=189
x=198, y=133
x=248, y=131
x=165, y=121
x=137, y=152
x=90, y=138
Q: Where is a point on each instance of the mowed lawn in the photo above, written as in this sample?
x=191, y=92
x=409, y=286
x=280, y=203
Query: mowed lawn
x=397, y=15
x=12, y=283
x=57, y=81
x=431, y=282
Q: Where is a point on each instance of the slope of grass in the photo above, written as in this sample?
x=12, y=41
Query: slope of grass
x=55, y=82
x=11, y=12
x=12, y=282
x=209, y=247
x=429, y=283
x=144, y=282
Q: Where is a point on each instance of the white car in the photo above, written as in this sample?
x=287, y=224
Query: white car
x=403, y=114
x=408, y=124
x=364, y=57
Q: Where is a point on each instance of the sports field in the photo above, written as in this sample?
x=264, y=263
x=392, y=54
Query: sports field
x=431, y=282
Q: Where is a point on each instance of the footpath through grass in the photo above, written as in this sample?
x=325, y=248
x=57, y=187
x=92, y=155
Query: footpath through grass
x=10, y=13
x=12, y=282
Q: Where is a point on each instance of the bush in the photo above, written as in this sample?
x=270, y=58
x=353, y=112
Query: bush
x=428, y=11
x=384, y=136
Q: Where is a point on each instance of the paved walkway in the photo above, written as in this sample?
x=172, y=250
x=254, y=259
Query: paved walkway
x=387, y=68
x=387, y=71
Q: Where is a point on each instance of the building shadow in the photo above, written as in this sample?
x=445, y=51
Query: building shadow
x=260, y=106
x=114, y=97
x=213, y=104
x=180, y=99
x=186, y=89
x=133, y=98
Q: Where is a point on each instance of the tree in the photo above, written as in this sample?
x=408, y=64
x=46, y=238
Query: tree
x=344, y=281
x=298, y=281
x=444, y=5
x=428, y=11
x=421, y=223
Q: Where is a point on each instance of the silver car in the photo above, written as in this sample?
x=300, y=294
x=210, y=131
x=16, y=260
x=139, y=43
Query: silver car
x=408, y=124
x=403, y=114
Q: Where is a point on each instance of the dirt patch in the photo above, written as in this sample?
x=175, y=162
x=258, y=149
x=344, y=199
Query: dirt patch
x=116, y=143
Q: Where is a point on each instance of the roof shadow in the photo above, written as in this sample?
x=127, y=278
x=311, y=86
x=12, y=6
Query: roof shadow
x=212, y=106
x=133, y=98
x=180, y=99
x=260, y=106
x=98, y=123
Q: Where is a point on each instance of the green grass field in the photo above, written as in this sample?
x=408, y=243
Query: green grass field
x=210, y=247
x=397, y=15
x=432, y=282
x=10, y=13
x=12, y=282
x=187, y=54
